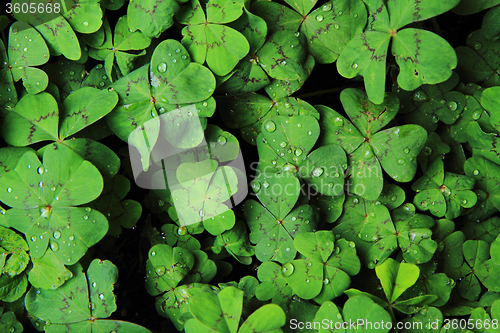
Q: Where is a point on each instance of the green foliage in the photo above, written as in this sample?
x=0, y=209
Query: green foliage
x=374, y=181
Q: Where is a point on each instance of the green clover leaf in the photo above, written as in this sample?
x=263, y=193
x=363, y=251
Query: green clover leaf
x=44, y=199
x=208, y=39
x=82, y=303
x=366, y=53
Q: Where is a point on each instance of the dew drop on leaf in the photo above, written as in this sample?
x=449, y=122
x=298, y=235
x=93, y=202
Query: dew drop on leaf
x=317, y=172
x=476, y=115
x=424, y=203
x=181, y=231
x=354, y=66
x=256, y=186
x=93, y=284
x=71, y=238
x=266, y=184
x=221, y=140
x=270, y=126
x=85, y=23
x=56, y=234
x=85, y=217
x=419, y=96
x=453, y=106
x=355, y=200
x=287, y=249
x=306, y=221
x=319, y=18
x=294, y=218
x=337, y=250
x=298, y=152
x=101, y=297
x=54, y=246
x=339, y=122
x=9, y=189
x=336, y=26
x=283, y=63
x=327, y=7
x=174, y=60
x=427, y=151
x=14, y=31
x=287, y=269
x=297, y=34
x=283, y=144
x=40, y=170
x=464, y=202
x=160, y=270
x=310, y=132
x=326, y=281
x=434, y=119
x=162, y=67
x=351, y=244
x=307, y=280
x=476, y=172
x=406, y=150
x=12, y=329
x=33, y=239
x=478, y=45
x=401, y=161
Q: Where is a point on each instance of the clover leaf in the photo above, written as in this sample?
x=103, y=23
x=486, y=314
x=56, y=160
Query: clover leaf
x=151, y=17
x=48, y=272
x=182, y=236
x=248, y=111
x=366, y=53
x=275, y=223
x=18, y=61
x=120, y=213
x=432, y=103
x=44, y=199
x=477, y=267
x=236, y=243
x=221, y=312
x=37, y=118
x=114, y=47
x=13, y=256
x=324, y=274
x=359, y=308
x=8, y=322
x=164, y=85
x=329, y=27
x=369, y=147
x=273, y=284
x=477, y=61
x=208, y=39
x=82, y=302
x=272, y=60
x=487, y=187
x=58, y=27
x=443, y=193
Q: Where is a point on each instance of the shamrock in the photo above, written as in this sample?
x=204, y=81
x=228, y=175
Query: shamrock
x=367, y=146
x=419, y=64
x=443, y=193
x=208, y=39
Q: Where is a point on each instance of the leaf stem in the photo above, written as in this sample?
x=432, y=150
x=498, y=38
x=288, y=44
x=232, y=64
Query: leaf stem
x=321, y=92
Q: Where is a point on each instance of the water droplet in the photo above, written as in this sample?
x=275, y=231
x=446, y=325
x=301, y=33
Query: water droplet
x=174, y=60
x=12, y=329
x=85, y=217
x=184, y=57
x=354, y=66
x=427, y=151
x=401, y=161
x=54, y=246
x=283, y=63
x=406, y=150
x=319, y=18
x=56, y=234
x=298, y=152
x=297, y=34
x=266, y=184
x=85, y=23
x=14, y=31
x=336, y=26
x=310, y=132
x=162, y=67
x=327, y=6
x=434, y=119
x=326, y=281
x=352, y=245
x=476, y=115
x=339, y=122
x=423, y=203
x=419, y=96
x=355, y=200
x=270, y=126
x=160, y=270
x=306, y=221
x=40, y=170
x=256, y=186
x=101, y=84
x=101, y=297
x=33, y=239
x=464, y=202
x=283, y=144
x=287, y=249
x=478, y=46
x=221, y=140
x=9, y=190
x=71, y=238
x=453, y=106
x=317, y=172
x=476, y=172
